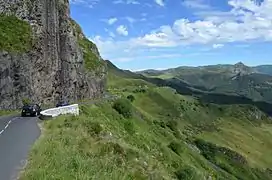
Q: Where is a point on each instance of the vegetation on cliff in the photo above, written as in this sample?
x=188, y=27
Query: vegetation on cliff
x=92, y=60
x=15, y=34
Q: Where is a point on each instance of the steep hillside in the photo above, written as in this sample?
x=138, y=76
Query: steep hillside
x=44, y=55
x=265, y=69
x=153, y=132
x=236, y=80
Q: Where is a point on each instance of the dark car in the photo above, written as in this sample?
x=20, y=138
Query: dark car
x=31, y=110
x=62, y=103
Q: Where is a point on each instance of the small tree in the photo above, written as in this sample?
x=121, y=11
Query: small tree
x=124, y=107
x=26, y=101
x=131, y=98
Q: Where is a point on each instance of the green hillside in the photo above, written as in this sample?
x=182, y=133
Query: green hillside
x=238, y=80
x=265, y=69
x=152, y=132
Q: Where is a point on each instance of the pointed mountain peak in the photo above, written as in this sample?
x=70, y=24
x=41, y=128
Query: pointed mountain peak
x=241, y=68
x=240, y=64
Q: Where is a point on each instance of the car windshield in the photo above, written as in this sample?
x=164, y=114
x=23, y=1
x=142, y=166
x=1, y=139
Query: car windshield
x=28, y=106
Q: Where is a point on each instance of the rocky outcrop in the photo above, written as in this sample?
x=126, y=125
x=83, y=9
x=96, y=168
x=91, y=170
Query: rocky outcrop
x=59, y=63
x=241, y=69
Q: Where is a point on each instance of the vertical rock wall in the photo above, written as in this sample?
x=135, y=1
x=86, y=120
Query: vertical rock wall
x=53, y=68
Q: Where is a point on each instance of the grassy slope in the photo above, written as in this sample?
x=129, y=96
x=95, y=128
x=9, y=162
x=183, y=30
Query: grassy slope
x=101, y=144
x=73, y=145
x=266, y=69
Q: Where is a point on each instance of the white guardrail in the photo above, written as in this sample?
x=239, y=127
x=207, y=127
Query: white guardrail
x=54, y=112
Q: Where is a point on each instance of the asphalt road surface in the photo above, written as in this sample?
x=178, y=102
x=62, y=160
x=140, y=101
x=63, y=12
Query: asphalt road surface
x=17, y=135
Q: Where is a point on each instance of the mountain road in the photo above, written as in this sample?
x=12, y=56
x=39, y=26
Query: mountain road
x=17, y=135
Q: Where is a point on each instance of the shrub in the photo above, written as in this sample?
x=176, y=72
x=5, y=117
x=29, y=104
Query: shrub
x=172, y=124
x=140, y=90
x=208, y=150
x=112, y=147
x=131, y=98
x=129, y=127
x=93, y=128
x=185, y=173
x=162, y=124
x=176, y=147
x=26, y=101
x=123, y=107
x=67, y=123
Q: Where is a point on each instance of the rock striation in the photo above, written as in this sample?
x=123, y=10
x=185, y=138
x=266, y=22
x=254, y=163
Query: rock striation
x=57, y=62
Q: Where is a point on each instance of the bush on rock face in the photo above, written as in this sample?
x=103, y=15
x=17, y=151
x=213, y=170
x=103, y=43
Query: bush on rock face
x=124, y=107
x=26, y=101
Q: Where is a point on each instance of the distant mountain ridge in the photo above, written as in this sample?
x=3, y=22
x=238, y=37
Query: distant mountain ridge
x=238, y=67
x=265, y=69
x=238, y=79
x=201, y=92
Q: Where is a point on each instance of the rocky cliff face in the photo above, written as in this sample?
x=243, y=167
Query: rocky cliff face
x=58, y=62
x=241, y=69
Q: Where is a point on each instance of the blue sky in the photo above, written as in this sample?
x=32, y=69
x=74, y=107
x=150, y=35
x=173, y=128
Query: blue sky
x=158, y=34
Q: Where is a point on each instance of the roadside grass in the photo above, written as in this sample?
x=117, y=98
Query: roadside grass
x=8, y=112
x=101, y=144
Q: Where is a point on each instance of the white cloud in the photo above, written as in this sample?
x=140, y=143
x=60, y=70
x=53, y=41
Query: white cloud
x=125, y=2
x=148, y=57
x=218, y=46
x=159, y=2
x=112, y=21
x=89, y=3
x=122, y=30
x=111, y=34
x=144, y=14
x=130, y=19
x=245, y=22
x=196, y=4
